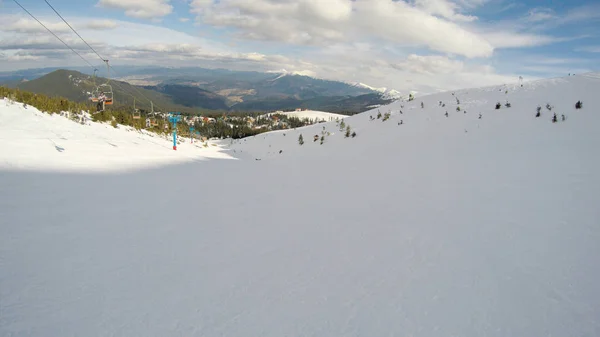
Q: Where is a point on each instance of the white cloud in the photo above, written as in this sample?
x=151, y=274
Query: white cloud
x=142, y=9
x=443, y=8
x=19, y=58
x=22, y=25
x=44, y=42
x=312, y=22
x=505, y=39
x=540, y=14
x=429, y=65
x=589, y=49
x=101, y=24
x=184, y=19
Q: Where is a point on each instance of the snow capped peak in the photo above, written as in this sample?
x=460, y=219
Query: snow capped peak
x=385, y=92
x=284, y=72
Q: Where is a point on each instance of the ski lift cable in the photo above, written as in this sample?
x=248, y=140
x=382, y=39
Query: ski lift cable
x=74, y=31
x=95, y=52
x=56, y=36
x=67, y=45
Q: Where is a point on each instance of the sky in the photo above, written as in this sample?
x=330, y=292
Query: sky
x=407, y=45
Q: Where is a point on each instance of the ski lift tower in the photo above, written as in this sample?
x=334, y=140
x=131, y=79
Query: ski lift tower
x=173, y=119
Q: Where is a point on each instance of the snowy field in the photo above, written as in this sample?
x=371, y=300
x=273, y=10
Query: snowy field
x=32, y=140
x=439, y=226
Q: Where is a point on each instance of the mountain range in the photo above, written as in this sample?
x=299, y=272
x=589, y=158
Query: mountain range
x=190, y=89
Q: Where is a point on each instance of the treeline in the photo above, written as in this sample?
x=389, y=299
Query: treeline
x=42, y=102
x=118, y=115
x=232, y=125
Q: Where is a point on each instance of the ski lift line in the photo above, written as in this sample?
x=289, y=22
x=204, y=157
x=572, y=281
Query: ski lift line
x=108, y=66
x=73, y=29
x=74, y=51
x=56, y=36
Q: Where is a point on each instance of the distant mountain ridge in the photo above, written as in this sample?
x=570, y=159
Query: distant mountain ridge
x=190, y=89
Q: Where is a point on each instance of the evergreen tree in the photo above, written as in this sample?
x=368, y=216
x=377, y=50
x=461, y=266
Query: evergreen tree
x=301, y=140
x=347, y=131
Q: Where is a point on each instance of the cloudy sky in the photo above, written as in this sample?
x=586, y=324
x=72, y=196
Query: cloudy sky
x=421, y=45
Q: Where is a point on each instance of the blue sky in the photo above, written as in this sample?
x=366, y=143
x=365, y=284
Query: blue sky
x=420, y=45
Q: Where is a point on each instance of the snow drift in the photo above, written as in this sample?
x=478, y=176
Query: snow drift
x=438, y=226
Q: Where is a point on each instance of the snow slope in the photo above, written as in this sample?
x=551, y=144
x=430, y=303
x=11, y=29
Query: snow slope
x=30, y=139
x=440, y=226
x=312, y=114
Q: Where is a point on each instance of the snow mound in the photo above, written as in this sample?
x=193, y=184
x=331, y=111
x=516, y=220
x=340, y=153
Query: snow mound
x=32, y=140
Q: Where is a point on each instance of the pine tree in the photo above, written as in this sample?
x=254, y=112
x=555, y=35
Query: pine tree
x=347, y=131
x=342, y=125
x=301, y=140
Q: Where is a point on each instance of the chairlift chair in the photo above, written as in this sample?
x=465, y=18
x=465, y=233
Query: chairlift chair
x=136, y=112
x=108, y=92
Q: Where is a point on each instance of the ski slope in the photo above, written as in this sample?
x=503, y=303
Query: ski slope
x=440, y=226
x=32, y=140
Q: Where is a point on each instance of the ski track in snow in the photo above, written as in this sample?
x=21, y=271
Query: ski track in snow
x=419, y=229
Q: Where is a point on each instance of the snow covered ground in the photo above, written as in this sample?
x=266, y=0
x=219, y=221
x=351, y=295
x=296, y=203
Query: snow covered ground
x=30, y=139
x=439, y=226
x=312, y=114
